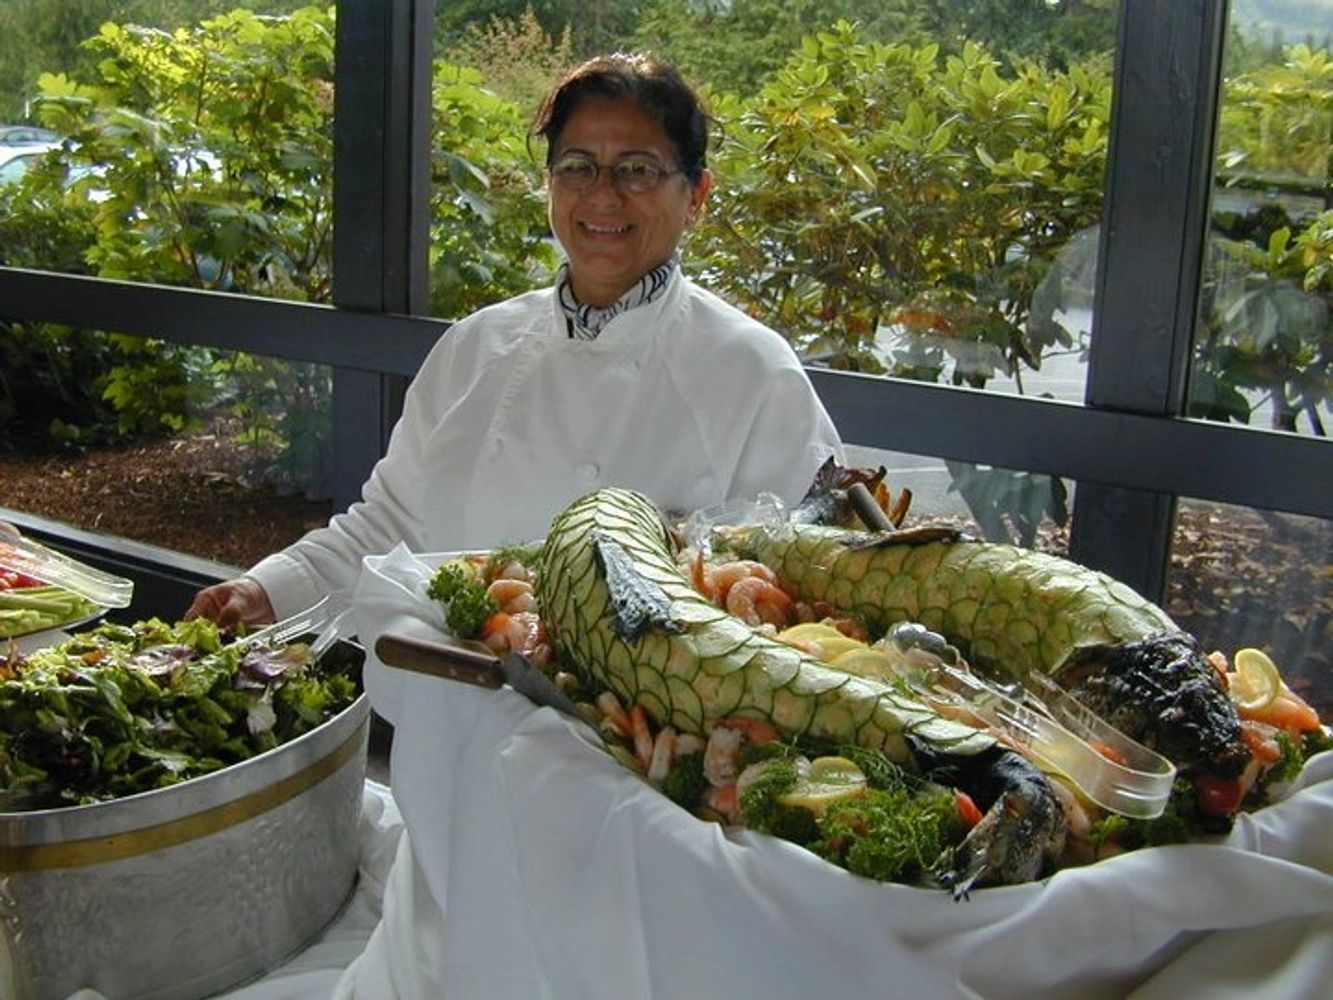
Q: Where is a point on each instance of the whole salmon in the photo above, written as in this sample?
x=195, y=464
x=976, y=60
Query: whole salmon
x=618, y=608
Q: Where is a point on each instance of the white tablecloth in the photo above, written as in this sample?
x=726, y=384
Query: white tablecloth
x=529, y=864
x=513, y=859
x=744, y=916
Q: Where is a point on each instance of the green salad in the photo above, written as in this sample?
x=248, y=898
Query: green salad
x=121, y=709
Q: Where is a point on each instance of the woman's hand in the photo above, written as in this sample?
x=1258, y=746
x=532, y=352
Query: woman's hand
x=233, y=602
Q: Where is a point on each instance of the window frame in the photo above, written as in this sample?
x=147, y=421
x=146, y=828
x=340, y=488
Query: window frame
x=1127, y=448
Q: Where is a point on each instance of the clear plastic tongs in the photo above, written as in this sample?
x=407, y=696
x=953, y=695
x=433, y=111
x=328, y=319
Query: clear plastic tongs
x=1062, y=734
x=23, y=555
x=1055, y=728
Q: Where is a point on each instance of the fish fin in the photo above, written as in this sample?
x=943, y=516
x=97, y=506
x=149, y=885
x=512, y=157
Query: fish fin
x=923, y=535
x=639, y=603
x=826, y=501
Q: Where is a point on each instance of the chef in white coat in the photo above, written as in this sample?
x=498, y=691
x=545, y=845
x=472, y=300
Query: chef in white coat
x=623, y=373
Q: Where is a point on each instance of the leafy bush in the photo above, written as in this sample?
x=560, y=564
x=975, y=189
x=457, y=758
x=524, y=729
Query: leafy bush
x=874, y=187
x=488, y=211
x=202, y=158
x=900, y=208
x=892, y=210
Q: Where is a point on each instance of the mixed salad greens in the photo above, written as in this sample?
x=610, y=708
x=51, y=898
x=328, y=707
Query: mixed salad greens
x=121, y=709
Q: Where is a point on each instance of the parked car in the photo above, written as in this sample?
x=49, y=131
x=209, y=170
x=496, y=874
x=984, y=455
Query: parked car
x=15, y=160
x=18, y=135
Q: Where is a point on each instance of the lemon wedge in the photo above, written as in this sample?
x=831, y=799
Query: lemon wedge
x=1255, y=682
x=828, y=780
x=830, y=641
x=864, y=662
x=810, y=632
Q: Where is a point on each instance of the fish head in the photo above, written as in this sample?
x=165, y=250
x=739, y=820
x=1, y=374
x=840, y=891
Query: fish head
x=1163, y=692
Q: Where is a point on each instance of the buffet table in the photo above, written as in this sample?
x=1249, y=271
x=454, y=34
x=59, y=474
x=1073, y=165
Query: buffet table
x=514, y=858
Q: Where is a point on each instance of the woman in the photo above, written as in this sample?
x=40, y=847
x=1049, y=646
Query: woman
x=623, y=373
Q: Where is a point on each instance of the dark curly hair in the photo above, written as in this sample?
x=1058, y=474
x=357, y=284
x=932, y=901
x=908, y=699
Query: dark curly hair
x=651, y=83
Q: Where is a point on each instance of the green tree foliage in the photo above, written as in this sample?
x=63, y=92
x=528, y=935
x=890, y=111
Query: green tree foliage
x=733, y=46
x=1277, y=119
x=595, y=25
x=1267, y=327
x=488, y=209
x=517, y=58
x=1268, y=293
x=198, y=157
x=890, y=208
x=41, y=36
x=876, y=186
x=202, y=157
x=1054, y=33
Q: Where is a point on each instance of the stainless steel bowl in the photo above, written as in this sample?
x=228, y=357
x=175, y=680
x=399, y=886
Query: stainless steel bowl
x=184, y=891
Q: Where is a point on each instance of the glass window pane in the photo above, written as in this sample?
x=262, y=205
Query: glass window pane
x=1245, y=577
x=192, y=150
x=1261, y=354
x=916, y=195
x=216, y=454
x=1000, y=505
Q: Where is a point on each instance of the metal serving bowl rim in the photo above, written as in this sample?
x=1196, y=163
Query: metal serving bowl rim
x=159, y=805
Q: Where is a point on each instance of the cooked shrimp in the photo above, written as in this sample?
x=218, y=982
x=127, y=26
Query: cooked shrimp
x=755, y=600
x=724, y=800
x=513, y=570
x=641, y=734
x=716, y=581
x=722, y=756
x=1261, y=738
x=521, y=632
x=688, y=743
x=610, y=707
x=495, y=632
x=756, y=731
x=1076, y=816
x=526, y=633
x=512, y=596
x=664, y=750
x=1288, y=711
x=726, y=576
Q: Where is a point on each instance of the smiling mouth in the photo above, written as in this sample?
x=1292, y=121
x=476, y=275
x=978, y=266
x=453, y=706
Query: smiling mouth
x=596, y=230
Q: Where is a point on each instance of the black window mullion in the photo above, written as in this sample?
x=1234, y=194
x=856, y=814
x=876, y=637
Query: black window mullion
x=381, y=177
x=1159, y=171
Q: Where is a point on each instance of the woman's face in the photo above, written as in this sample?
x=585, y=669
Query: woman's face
x=613, y=237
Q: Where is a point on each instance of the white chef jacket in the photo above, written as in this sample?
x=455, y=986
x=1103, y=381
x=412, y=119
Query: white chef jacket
x=509, y=420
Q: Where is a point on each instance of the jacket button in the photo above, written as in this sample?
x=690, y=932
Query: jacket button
x=589, y=471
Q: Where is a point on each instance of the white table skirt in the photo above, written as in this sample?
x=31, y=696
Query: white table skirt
x=515, y=859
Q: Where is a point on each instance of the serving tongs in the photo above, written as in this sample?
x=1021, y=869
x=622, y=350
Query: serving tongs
x=1055, y=728
x=1061, y=734
x=316, y=618
x=23, y=555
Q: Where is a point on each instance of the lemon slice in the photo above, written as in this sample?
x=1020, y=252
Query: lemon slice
x=1255, y=683
x=828, y=780
x=810, y=632
x=831, y=642
x=865, y=662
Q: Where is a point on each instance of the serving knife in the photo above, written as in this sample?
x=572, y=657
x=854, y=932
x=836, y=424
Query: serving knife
x=474, y=663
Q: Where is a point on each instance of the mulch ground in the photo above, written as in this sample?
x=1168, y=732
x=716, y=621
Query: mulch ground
x=1238, y=578
x=191, y=494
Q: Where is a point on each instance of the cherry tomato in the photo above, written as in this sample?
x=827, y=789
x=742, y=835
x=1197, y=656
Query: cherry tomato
x=1218, y=796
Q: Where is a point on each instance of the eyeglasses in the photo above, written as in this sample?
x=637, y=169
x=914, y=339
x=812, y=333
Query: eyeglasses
x=630, y=175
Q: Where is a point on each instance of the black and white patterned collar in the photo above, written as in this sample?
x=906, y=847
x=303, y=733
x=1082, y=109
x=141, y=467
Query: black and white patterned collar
x=585, y=322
